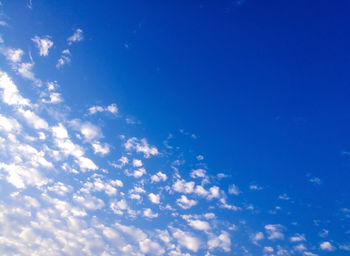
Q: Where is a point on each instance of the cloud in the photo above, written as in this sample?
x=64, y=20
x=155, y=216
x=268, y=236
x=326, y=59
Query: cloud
x=113, y=109
x=64, y=59
x=148, y=213
x=186, y=240
x=199, y=224
x=199, y=173
x=154, y=198
x=13, y=55
x=43, y=44
x=327, y=246
x=10, y=94
x=159, y=176
x=185, y=203
x=76, y=37
x=182, y=186
x=222, y=241
x=257, y=237
x=141, y=146
x=274, y=231
x=315, y=180
x=234, y=190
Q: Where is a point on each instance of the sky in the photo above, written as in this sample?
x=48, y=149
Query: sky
x=174, y=128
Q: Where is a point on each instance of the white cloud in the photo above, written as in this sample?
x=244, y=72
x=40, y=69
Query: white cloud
x=223, y=241
x=10, y=94
x=255, y=187
x=274, y=231
x=137, y=163
x=32, y=119
x=185, y=203
x=159, y=176
x=315, y=180
x=148, y=213
x=43, y=44
x=234, y=190
x=100, y=149
x=327, y=246
x=186, y=240
x=13, y=55
x=199, y=173
x=111, y=109
x=9, y=124
x=76, y=37
x=89, y=202
x=182, y=186
x=25, y=70
x=154, y=198
x=141, y=146
x=60, y=189
x=200, y=157
x=64, y=59
x=257, y=237
x=199, y=224
x=298, y=238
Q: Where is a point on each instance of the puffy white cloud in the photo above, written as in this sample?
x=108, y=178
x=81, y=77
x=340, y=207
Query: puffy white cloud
x=32, y=119
x=274, y=231
x=182, y=186
x=151, y=248
x=100, y=149
x=257, y=237
x=199, y=173
x=9, y=124
x=90, y=131
x=111, y=109
x=13, y=55
x=148, y=213
x=159, y=176
x=43, y=44
x=76, y=37
x=141, y=146
x=186, y=240
x=255, y=187
x=22, y=176
x=327, y=246
x=233, y=190
x=199, y=224
x=268, y=249
x=25, y=70
x=223, y=241
x=136, y=173
x=185, y=203
x=315, y=180
x=89, y=202
x=298, y=238
x=154, y=198
x=137, y=163
x=10, y=94
x=60, y=189
x=64, y=59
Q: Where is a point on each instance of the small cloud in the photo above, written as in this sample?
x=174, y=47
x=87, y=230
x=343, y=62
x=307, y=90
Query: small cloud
x=76, y=37
x=315, y=180
x=327, y=246
x=64, y=59
x=111, y=109
x=234, y=190
x=284, y=197
x=200, y=157
x=43, y=44
x=255, y=187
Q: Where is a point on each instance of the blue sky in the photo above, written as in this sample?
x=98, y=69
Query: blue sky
x=174, y=128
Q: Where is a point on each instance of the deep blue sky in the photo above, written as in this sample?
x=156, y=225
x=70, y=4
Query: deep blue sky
x=263, y=85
